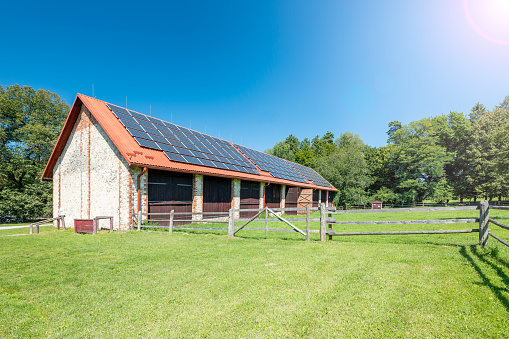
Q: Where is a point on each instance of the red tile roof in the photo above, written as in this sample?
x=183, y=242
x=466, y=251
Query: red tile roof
x=139, y=156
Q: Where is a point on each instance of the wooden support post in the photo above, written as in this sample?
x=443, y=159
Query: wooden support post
x=139, y=220
x=322, y=222
x=58, y=224
x=231, y=223
x=95, y=226
x=329, y=216
x=307, y=223
x=483, y=223
x=31, y=229
x=266, y=220
x=37, y=229
x=62, y=217
x=172, y=216
x=111, y=224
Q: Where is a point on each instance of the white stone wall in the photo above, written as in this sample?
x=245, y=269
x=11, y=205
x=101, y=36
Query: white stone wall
x=91, y=178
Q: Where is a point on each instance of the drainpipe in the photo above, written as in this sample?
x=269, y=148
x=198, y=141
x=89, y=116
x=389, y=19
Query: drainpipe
x=139, y=189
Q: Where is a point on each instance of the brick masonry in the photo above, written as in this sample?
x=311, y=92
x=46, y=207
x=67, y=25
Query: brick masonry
x=236, y=196
x=197, y=196
x=262, y=193
x=91, y=178
x=283, y=196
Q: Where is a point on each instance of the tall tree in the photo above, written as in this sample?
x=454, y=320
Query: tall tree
x=487, y=152
x=421, y=160
x=347, y=170
x=30, y=122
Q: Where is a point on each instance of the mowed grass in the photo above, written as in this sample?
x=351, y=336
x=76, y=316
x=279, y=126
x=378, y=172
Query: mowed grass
x=5, y=231
x=200, y=284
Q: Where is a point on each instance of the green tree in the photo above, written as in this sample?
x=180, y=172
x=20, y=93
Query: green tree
x=454, y=133
x=420, y=158
x=347, y=170
x=283, y=150
x=382, y=166
x=30, y=122
x=488, y=151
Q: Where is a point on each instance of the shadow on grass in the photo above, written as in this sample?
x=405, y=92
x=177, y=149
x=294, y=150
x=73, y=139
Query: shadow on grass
x=497, y=264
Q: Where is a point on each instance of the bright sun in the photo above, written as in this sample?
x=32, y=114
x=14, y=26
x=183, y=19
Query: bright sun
x=489, y=18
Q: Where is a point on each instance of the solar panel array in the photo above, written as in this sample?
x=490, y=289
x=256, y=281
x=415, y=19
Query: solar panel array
x=310, y=174
x=182, y=144
x=278, y=167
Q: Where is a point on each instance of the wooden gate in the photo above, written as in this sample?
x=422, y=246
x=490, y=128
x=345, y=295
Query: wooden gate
x=217, y=195
x=305, y=199
x=169, y=191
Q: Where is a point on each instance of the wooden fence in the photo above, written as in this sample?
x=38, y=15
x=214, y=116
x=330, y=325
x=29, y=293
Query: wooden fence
x=231, y=217
x=326, y=218
x=483, y=221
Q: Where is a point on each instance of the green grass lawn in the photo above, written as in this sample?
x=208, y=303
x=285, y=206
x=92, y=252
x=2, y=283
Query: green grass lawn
x=22, y=231
x=204, y=284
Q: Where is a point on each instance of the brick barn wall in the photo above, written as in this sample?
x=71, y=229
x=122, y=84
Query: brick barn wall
x=91, y=177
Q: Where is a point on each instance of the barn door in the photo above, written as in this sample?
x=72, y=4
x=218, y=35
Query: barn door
x=305, y=199
x=249, y=197
x=169, y=191
x=217, y=195
x=291, y=198
x=273, y=195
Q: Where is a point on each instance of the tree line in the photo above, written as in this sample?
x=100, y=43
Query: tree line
x=453, y=156
x=450, y=156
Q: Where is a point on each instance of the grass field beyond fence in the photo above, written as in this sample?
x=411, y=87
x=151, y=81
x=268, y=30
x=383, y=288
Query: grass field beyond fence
x=154, y=284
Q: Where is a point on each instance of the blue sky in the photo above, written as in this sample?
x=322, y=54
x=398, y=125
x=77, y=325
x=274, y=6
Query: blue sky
x=253, y=72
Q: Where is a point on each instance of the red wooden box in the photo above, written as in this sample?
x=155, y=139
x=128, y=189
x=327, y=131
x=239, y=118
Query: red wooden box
x=83, y=225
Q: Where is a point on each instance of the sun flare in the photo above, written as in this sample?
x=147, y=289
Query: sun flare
x=489, y=18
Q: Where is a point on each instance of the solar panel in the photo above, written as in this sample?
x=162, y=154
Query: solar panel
x=147, y=143
x=181, y=144
x=311, y=175
x=277, y=167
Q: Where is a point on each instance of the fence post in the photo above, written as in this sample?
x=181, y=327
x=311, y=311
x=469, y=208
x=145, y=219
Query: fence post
x=31, y=229
x=111, y=224
x=322, y=222
x=483, y=223
x=95, y=226
x=58, y=224
x=230, y=223
x=172, y=213
x=37, y=228
x=266, y=220
x=139, y=220
x=63, y=221
x=307, y=223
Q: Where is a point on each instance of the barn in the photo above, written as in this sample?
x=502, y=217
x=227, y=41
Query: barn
x=113, y=161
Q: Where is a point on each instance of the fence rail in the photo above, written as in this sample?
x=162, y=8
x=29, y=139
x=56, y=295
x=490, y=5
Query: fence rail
x=326, y=218
x=414, y=209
